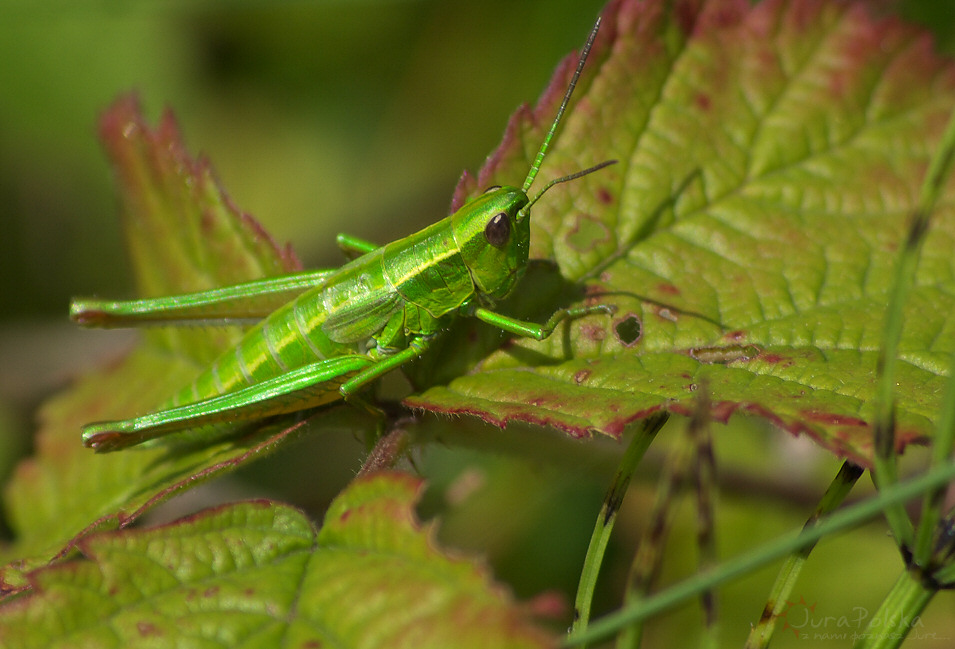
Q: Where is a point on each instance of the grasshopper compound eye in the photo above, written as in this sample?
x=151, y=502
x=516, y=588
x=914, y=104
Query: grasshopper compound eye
x=498, y=230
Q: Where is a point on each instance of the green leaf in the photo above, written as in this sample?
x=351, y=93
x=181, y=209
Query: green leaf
x=184, y=234
x=258, y=574
x=769, y=157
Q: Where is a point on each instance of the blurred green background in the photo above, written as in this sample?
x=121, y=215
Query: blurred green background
x=320, y=117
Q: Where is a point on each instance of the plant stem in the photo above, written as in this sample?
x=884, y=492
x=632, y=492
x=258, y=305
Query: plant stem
x=899, y=612
x=608, y=516
x=839, y=521
x=885, y=459
x=840, y=487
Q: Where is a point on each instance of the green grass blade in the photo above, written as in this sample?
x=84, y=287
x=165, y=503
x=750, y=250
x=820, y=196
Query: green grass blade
x=839, y=521
x=886, y=471
x=939, y=170
x=648, y=557
x=839, y=488
x=897, y=615
x=608, y=516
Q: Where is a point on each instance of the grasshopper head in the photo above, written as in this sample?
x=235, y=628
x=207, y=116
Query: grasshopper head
x=493, y=241
x=493, y=231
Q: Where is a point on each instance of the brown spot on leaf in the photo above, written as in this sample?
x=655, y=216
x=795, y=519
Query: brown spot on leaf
x=593, y=331
x=147, y=629
x=581, y=375
x=664, y=313
x=593, y=294
x=777, y=359
x=724, y=353
x=832, y=419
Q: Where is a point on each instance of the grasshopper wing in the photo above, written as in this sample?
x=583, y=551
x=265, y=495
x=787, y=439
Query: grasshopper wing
x=362, y=319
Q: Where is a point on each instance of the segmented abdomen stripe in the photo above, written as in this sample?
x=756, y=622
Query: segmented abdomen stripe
x=216, y=379
x=270, y=345
x=241, y=365
x=302, y=327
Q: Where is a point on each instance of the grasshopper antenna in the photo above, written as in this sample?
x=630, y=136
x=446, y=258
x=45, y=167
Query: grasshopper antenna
x=574, y=176
x=532, y=174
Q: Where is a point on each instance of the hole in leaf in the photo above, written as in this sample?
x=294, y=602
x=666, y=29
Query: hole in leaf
x=628, y=330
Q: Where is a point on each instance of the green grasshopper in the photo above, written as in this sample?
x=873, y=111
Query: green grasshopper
x=335, y=331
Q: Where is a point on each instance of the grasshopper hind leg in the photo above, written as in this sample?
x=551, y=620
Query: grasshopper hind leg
x=307, y=387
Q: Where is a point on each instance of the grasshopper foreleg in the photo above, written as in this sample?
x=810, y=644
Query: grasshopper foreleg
x=385, y=364
x=534, y=330
x=350, y=390
x=353, y=246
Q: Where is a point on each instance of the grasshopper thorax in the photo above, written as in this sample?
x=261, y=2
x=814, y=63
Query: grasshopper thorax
x=493, y=241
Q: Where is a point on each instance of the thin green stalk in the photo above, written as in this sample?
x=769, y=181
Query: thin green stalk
x=932, y=501
x=647, y=559
x=939, y=170
x=885, y=460
x=945, y=575
x=752, y=560
x=839, y=488
x=899, y=612
x=608, y=516
x=704, y=478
